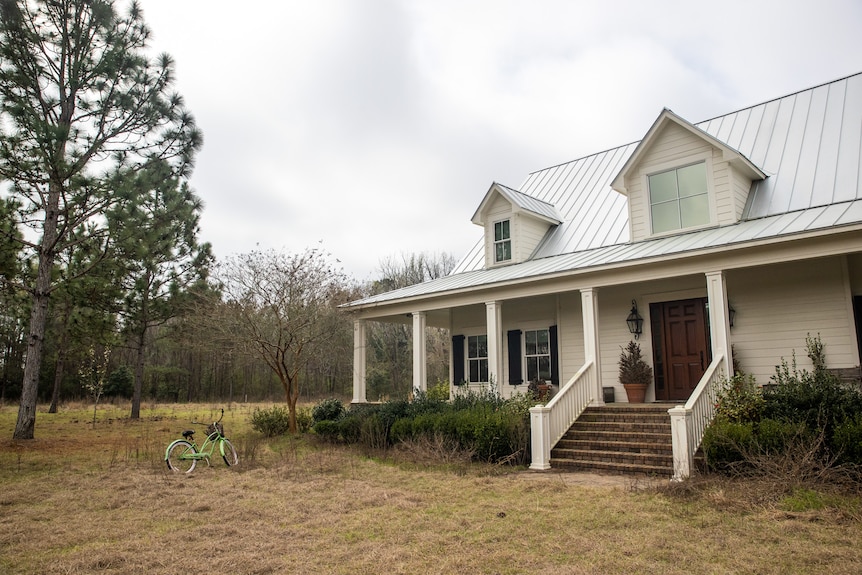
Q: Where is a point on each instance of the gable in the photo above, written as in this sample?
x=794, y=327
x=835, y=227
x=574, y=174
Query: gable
x=514, y=224
x=658, y=201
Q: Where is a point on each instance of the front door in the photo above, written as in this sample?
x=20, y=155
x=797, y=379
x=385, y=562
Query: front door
x=681, y=347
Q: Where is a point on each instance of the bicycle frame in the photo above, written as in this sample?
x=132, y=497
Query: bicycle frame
x=206, y=449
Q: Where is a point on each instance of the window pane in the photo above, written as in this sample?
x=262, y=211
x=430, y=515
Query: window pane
x=665, y=217
x=474, y=371
x=472, y=346
x=505, y=225
x=544, y=367
x=542, y=342
x=483, y=370
x=662, y=187
x=503, y=251
x=530, y=343
x=532, y=369
x=498, y=231
x=692, y=180
x=694, y=210
x=482, y=345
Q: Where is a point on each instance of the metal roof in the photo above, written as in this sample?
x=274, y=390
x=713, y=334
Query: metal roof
x=808, y=143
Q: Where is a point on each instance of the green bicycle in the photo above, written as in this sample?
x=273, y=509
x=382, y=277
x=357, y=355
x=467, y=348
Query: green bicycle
x=183, y=454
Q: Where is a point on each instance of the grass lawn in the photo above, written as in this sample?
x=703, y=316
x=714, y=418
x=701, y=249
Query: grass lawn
x=99, y=499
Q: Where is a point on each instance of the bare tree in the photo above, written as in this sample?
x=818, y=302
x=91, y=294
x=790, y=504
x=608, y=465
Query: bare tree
x=282, y=308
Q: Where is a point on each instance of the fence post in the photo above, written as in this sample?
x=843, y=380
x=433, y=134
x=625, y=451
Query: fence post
x=540, y=437
x=679, y=428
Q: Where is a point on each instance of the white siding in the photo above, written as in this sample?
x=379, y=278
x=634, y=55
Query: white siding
x=777, y=306
x=530, y=233
x=676, y=145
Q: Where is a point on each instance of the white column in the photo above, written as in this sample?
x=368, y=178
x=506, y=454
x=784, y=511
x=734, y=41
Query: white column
x=590, y=312
x=494, y=314
x=420, y=365
x=359, y=343
x=719, y=319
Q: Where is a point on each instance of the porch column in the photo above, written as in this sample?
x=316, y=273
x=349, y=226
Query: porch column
x=359, y=361
x=590, y=312
x=719, y=319
x=420, y=366
x=494, y=314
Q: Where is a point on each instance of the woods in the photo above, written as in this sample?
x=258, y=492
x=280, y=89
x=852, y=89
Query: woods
x=99, y=238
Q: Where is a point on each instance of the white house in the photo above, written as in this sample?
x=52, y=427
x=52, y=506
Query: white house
x=744, y=230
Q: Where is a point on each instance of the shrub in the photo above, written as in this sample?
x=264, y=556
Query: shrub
x=848, y=440
x=328, y=410
x=271, y=422
x=741, y=400
x=304, y=420
x=725, y=443
x=327, y=430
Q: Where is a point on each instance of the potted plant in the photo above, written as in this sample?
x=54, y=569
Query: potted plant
x=635, y=373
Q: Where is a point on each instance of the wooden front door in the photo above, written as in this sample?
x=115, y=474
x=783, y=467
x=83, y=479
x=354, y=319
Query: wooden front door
x=681, y=347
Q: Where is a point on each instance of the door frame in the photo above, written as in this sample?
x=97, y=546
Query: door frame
x=659, y=339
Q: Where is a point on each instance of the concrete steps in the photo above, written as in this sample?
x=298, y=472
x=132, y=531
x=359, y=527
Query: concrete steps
x=618, y=438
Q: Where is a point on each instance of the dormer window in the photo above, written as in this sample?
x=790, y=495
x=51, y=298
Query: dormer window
x=679, y=198
x=502, y=242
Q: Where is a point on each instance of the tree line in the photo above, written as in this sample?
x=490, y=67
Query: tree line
x=100, y=255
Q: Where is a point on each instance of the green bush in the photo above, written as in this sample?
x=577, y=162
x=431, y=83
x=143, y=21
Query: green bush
x=848, y=440
x=304, y=420
x=726, y=443
x=271, y=422
x=798, y=411
x=328, y=430
x=741, y=400
x=328, y=410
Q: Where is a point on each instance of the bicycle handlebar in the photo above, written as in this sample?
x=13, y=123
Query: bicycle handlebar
x=202, y=423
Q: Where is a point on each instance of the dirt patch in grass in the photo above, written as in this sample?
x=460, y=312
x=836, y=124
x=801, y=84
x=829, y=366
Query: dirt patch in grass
x=101, y=500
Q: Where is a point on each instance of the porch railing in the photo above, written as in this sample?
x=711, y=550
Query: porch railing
x=688, y=422
x=548, y=423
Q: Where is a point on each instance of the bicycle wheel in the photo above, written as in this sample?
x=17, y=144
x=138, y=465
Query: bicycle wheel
x=229, y=453
x=175, y=459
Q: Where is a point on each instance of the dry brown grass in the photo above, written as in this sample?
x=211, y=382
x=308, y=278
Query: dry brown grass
x=80, y=499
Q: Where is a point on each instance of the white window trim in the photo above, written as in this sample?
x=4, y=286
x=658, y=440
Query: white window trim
x=467, y=335
x=646, y=171
x=524, y=331
x=493, y=241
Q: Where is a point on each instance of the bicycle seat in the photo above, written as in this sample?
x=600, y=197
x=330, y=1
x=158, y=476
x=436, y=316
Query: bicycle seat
x=188, y=433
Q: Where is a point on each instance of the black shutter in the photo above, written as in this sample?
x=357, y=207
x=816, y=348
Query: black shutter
x=515, y=376
x=458, y=359
x=555, y=355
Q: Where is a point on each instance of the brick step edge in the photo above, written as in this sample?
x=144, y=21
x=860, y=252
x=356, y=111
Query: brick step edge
x=595, y=426
x=621, y=446
x=598, y=455
x=612, y=467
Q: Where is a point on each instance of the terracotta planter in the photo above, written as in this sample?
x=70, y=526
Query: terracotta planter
x=635, y=391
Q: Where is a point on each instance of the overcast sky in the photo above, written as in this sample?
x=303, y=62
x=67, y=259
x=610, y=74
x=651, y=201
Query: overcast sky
x=377, y=126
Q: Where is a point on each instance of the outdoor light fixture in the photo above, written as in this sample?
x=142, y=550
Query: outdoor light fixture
x=731, y=313
x=635, y=321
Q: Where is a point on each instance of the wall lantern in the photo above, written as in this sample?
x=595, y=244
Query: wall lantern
x=635, y=321
x=731, y=313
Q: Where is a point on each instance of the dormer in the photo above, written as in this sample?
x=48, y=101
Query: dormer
x=679, y=179
x=514, y=224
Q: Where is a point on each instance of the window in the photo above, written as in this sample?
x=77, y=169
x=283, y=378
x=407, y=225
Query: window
x=477, y=358
x=537, y=353
x=502, y=242
x=679, y=198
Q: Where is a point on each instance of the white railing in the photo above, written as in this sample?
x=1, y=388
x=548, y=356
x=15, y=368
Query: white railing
x=688, y=422
x=548, y=423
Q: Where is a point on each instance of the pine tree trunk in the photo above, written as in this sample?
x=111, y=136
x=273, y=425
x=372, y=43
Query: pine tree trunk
x=26, y=424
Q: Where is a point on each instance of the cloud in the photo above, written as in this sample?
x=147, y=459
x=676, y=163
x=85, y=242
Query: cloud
x=378, y=126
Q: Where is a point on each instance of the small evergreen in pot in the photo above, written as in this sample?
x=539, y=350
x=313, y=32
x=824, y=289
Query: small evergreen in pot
x=635, y=373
